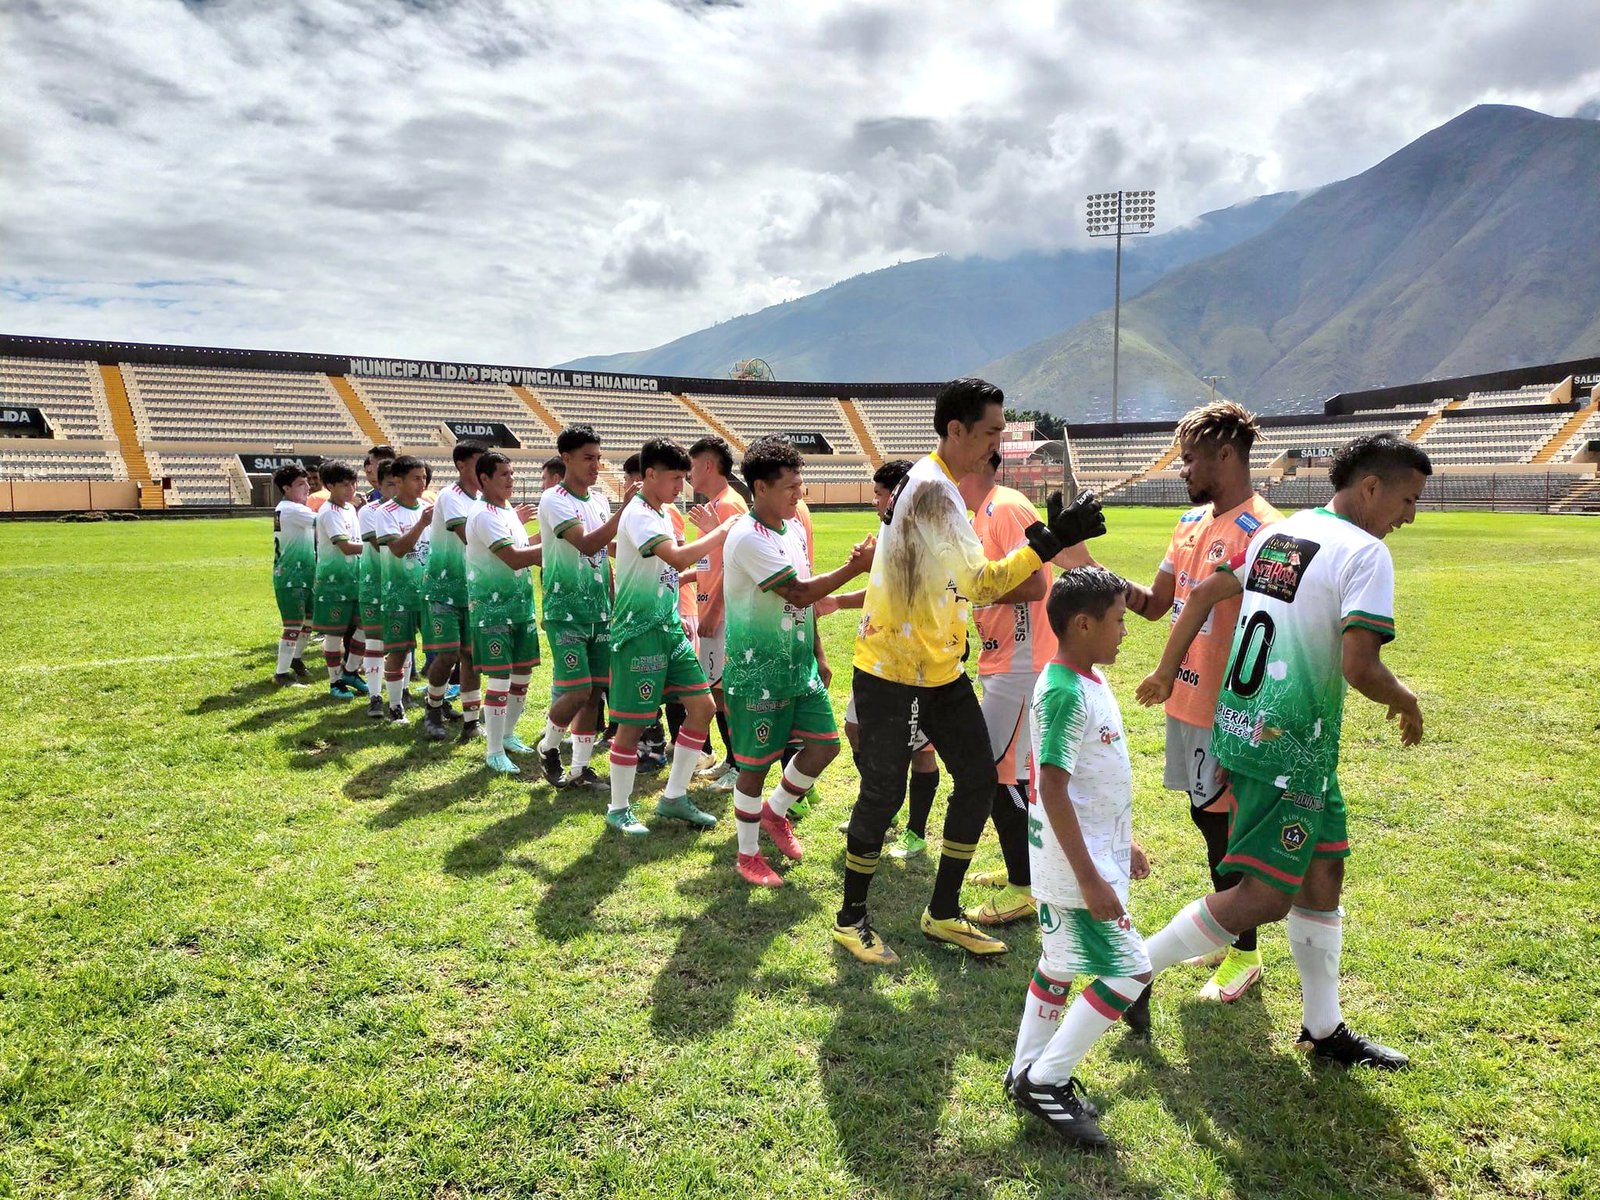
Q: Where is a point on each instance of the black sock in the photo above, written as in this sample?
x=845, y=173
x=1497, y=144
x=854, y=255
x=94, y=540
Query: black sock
x=1213, y=826
x=923, y=786
x=727, y=738
x=675, y=715
x=860, y=864
x=954, y=858
x=1011, y=827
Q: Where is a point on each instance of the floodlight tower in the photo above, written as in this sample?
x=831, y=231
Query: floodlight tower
x=1119, y=215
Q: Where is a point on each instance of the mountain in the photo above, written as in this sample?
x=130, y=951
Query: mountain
x=1472, y=249
x=935, y=318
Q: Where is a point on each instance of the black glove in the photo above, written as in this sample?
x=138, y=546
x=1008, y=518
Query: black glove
x=1078, y=523
x=1043, y=543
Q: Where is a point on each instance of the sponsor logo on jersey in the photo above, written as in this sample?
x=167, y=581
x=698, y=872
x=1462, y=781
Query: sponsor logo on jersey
x=1247, y=523
x=1293, y=836
x=1304, y=800
x=1189, y=518
x=1280, y=565
x=1109, y=736
x=646, y=664
x=1217, y=551
x=1049, y=919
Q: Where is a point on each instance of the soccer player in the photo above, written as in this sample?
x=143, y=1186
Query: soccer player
x=1318, y=606
x=505, y=637
x=446, y=636
x=376, y=456
x=403, y=528
x=1015, y=643
x=336, y=594
x=712, y=461
x=1214, y=443
x=372, y=557
x=318, y=489
x=928, y=570
x=576, y=526
x=294, y=567
x=555, y=470
x=651, y=656
x=1080, y=830
x=913, y=840
x=776, y=674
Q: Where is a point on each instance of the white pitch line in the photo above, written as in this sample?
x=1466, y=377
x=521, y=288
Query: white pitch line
x=91, y=664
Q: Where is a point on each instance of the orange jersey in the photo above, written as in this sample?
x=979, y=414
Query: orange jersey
x=688, y=604
x=1201, y=543
x=708, y=587
x=1015, y=637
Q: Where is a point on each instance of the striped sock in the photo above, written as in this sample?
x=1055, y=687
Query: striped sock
x=860, y=864
x=954, y=857
x=1193, y=932
x=1041, y=1015
x=624, y=766
x=286, y=646
x=1097, y=1008
x=686, y=753
x=582, y=751
x=748, y=826
x=333, y=655
x=394, y=684
x=791, y=785
x=494, y=717
x=471, y=706
x=374, y=665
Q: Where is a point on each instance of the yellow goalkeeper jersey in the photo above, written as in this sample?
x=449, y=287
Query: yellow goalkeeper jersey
x=928, y=572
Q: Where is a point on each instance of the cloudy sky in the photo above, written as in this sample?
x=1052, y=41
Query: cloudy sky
x=519, y=182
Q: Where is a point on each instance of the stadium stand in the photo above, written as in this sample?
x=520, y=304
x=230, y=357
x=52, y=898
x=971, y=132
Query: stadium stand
x=412, y=412
x=623, y=418
x=187, y=404
x=751, y=417
x=900, y=425
x=1464, y=437
x=69, y=393
x=200, y=478
x=47, y=463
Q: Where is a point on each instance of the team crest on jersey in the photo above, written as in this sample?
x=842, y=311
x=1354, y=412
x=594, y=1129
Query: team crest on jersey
x=646, y=689
x=1293, y=836
x=571, y=659
x=1217, y=551
x=1049, y=919
x=763, y=732
x=496, y=647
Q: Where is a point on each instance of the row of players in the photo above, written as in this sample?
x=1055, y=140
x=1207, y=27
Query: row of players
x=1068, y=846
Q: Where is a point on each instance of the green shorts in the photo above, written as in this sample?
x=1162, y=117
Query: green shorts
x=760, y=729
x=1275, y=834
x=580, y=656
x=331, y=614
x=400, y=628
x=506, y=649
x=294, y=603
x=446, y=627
x=650, y=669
x=372, y=620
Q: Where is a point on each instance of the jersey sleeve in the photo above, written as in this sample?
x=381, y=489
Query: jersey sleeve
x=647, y=528
x=455, y=509
x=941, y=524
x=1063, y=717
x=330, y=524
x=1366, y=592
x=763, y=559
x=560, y=511
x=384, y=529
x=1169, y=560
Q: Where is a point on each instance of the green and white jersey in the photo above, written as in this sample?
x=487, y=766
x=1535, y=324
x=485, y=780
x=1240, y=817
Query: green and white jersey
x=577, y=587
x=771, y=646
x=402, y=577
x=496, y=594
x=1306, y=580
x=445, y=580
x=1077, y=726
x=294, y=547
x=338, y=573
x=371, y=563
x=647, y=586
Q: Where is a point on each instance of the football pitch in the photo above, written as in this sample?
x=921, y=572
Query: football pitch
x=251, y=942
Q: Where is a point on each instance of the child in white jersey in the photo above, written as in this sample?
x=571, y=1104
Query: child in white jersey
x=1082, y=855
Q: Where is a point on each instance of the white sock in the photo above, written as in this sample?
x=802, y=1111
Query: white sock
x=374, y=665
x=355, y=653
x=624, y=766
x=517, y=702
x=436, y=693
x=300, y=641
x=791, y=785
x=1041, y=1015
x=1193, y=932
x=685, y=758
x=471, y=706
x=1097, y=1008
x=582, y=751
x=747, y=810
x=286, y=646
x=494, y=718
x=395, y=688
x=333, y=655
x=552, y=736
x=1316, y=939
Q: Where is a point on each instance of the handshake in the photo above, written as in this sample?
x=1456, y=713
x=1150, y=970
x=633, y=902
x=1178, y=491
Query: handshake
x=1067, y=526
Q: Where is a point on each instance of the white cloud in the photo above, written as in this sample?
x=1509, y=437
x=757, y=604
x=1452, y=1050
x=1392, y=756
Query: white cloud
x=528, y=182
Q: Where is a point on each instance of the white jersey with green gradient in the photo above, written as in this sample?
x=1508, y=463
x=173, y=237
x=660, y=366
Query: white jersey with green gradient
x=338, y=573
x=771, y=646
x=402, y=574
x=497, y=595
x=1306, y=580
x=294, y=546
x=446, y=578
x=371, y=564
x=647, y=586
x=577, y=587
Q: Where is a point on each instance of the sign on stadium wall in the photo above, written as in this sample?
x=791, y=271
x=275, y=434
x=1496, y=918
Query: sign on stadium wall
x=24, y=423
x=406, y=368
x=490, y=433
x=266, y=464
x=809, y=442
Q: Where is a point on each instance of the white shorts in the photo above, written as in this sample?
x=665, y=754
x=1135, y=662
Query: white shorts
x=1004, y=704
x=1190, y=767
x=919, y=740
x=711, y=652
x=1071, y=942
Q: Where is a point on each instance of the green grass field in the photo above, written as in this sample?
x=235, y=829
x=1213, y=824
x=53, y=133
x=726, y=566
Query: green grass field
x=252, y=943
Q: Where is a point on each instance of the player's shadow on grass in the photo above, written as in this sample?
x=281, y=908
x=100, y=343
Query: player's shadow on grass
x=374, y=781
x=567, y=908
x=256, y=687
x=489, y=848
x=424, y=801
x=719, y=949
x=343, y=729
